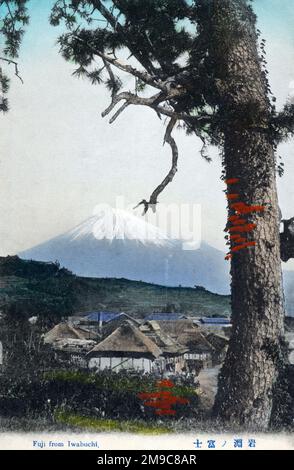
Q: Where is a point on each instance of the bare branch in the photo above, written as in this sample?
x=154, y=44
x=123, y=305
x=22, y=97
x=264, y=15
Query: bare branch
x=169, y=129
x=119, y=111
x=131, y=99
x=153, y=102
x=170, y=176
x=16, y=71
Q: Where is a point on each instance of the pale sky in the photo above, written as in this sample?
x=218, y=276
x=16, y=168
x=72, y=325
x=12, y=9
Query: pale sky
x=59, y=158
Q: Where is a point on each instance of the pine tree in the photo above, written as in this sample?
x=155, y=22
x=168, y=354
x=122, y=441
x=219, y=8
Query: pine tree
x=13, y=17
x=201, y=64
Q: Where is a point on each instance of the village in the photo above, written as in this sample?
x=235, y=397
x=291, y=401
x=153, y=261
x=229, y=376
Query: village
x=165, y=344
x=96, y=360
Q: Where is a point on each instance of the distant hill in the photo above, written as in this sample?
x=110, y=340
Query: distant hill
x=37, y=288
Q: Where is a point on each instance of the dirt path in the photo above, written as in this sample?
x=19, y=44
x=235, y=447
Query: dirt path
x=208, y=385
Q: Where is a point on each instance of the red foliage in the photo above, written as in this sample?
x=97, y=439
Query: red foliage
x=232, y=196
x=239, y=224
x=243, y=228
x=233, y=217
x=239, y=221
x=232, y=180
x=162, y=400
x=240, y=240
x=242, y=208
x=244, y=245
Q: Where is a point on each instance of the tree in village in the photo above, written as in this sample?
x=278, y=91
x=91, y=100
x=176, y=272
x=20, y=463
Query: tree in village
x=13, y=18
x=201, y=66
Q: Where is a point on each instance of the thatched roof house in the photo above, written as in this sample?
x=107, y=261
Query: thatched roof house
x=126, y=341
x=198, y=343
x=219, y=342
x=179, y=330
x=196, y=339
x=66, y=331
x=166, y=343
x=116, y=322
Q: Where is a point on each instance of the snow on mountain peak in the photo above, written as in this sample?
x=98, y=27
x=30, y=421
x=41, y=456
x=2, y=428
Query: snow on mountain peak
x=117, y=224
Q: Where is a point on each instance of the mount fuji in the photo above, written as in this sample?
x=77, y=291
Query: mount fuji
x=114, y=243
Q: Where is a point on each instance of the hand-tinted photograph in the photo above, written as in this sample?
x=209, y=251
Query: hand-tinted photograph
x=147, y=224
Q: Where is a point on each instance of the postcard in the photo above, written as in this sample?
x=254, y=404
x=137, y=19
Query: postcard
x=147, y=226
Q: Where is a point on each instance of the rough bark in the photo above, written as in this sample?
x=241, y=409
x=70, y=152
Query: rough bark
x=251, y=367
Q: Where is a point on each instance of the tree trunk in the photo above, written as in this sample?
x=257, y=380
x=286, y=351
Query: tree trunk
x=251, y=367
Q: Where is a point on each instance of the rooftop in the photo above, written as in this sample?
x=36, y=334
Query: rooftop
x=215, y=320
x=168, y=345
x=103, y=317
x=127, y=340
x=66, y=331
x=165, y=316
x=114, y=323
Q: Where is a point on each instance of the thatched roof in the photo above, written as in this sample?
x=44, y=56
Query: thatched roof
x=165, y=316
x=150, y=325
x=66, y=331
x=168, y=345
x=219, y=342
x=197, y=342
x=175, y=328
x=115, y=323
x=127, y=340
x=184, y=332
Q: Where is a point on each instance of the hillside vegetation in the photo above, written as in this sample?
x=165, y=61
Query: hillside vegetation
x=37, y=288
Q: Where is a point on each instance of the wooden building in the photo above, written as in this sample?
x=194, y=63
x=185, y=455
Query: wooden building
x=116, y=322
x=172, y=351
x=65, y=330
x=70, y=343
x=127, y=348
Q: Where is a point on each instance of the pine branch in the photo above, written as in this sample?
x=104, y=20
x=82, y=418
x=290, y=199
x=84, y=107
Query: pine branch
x=283, y=123
x=144, y=76
x=143, y=59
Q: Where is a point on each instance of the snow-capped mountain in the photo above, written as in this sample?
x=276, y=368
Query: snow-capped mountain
x=117, y=224
x=115, y=243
